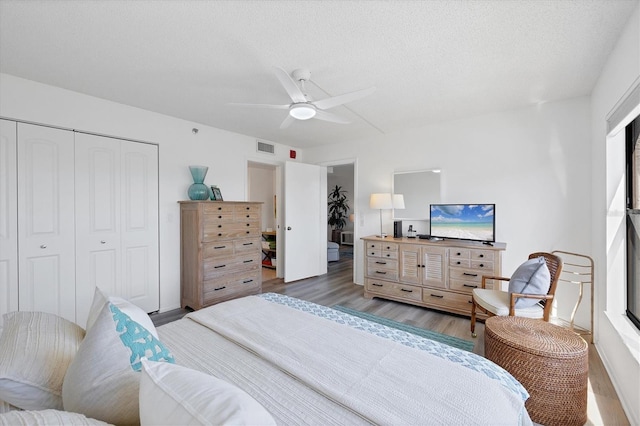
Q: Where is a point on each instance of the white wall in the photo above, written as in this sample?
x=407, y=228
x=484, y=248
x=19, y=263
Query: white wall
x=224, y=152
x=533, y=163
x=617, y=341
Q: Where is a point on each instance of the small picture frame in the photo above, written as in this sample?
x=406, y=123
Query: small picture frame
x=217, y=195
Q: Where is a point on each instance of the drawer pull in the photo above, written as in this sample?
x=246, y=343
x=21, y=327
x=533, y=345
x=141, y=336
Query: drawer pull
x=247, y=281
x=372, y=254
x=219, y=217
x=458, y=254
x=248, y=215
x=248, y=232
x=220, y=247
x=220, y=234
x=469, y=285
x=247, y=244
x=458, y=262
x=247, y=208
x=469, y=275
x=405, y=290
x=220, y=288
x=219, y=226
x=381, y=272
x=381, y=263
x=248, y=224
x=219, y=266
x=388, y=255
x=481, y=256
x=377, y=285
x=219, y=208
x=437, y=295
x=482, y=265
x=388, y=247
x=248, y=261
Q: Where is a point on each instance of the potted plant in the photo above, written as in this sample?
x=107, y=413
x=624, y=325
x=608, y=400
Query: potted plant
x=338, y=212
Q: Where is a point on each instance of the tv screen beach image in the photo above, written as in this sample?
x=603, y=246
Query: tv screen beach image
x=463, y=221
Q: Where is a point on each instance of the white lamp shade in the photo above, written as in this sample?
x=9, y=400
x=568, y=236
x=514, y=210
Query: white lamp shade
x=380, y=201
x=398, y=201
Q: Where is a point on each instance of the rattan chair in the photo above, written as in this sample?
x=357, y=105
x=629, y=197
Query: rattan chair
x=502, y=303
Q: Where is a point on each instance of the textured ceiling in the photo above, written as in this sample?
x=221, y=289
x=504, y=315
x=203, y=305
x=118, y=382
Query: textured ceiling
x=430, y=61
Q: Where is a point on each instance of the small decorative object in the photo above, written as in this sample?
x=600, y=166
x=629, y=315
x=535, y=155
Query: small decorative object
x=198, y=190
x=216, y=195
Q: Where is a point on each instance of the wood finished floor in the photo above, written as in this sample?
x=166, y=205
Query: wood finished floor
x=337, y=288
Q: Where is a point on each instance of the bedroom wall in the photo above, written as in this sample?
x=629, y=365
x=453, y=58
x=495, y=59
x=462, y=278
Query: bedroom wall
x=618, y=342
x=224, y=152
x=533, y=163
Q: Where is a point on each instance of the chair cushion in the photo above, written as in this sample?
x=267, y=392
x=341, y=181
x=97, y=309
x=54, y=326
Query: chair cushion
x=497, y=302
x=532, y=277
x=35, y=350
x=174, y=395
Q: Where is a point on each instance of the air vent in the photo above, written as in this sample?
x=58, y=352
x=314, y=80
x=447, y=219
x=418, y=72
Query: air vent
x=267, y=148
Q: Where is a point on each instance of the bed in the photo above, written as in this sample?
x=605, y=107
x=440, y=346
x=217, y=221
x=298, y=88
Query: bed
x=266, y=359
x=310, y=364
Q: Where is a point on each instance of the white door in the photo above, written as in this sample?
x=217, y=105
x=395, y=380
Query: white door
x=8, y=219
x=117, y=221
x=139, y=218
x=98, y=252
x=46, y=227
x=305, y=221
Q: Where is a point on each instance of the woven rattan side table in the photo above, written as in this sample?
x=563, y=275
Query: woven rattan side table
x=551, y=362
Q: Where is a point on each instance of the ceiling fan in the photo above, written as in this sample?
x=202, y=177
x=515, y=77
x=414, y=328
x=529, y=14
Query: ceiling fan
x=302, y=108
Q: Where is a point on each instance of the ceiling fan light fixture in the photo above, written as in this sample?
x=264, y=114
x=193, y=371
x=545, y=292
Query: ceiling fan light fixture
x=302, y=111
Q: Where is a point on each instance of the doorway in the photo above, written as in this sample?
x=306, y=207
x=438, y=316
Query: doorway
x=343, y=175
x=262, y=187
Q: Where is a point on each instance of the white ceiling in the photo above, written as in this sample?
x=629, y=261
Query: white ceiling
x=431, y=61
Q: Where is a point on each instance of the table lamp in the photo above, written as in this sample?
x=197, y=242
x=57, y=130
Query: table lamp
x=381, y=202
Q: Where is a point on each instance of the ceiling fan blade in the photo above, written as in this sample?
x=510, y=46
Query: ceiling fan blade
x=290, y=86
x=343, y=99
x=261, y=105
x=328, y=116
x=287, y=122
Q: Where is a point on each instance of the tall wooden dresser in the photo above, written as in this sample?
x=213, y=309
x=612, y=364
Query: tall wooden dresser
x=220, y=251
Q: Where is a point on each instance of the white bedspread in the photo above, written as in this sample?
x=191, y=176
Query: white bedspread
x=382, y=381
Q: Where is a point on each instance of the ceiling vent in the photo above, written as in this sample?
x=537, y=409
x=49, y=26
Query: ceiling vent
x=267, y=148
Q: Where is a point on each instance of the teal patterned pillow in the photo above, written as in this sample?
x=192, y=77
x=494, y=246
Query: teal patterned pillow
x=139, y=340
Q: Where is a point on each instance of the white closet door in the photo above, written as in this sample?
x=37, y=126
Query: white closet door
x=46, y=220
x=8, y=219
x=117, y=221
x=139, y=232
x=98, y=244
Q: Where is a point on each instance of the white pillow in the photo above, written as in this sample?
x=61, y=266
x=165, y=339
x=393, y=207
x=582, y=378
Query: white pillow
x=134, y=312
x=532, y=277
x=35, y=350
x=103, y=380
x=47, y=418
x=174, y=395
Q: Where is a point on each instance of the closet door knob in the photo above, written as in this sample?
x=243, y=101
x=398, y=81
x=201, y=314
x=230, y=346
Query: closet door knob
x=43, y=246
x=103, y=242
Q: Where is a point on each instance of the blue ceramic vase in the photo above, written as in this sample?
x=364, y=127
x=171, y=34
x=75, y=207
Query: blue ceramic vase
x=198, y=190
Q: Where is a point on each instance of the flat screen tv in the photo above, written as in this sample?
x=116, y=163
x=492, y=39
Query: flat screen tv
x=474, y=222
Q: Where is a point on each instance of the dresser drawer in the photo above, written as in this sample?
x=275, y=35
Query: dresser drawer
x=382, y=268
x=459, y=262
x=393, y=289
x=447, y=300
x=459, y=253
x=246, y=213
x=386, y=254
x=216, y=267
x=225, y=210
x=488, y=255
x=230, y=230
x=248, y=245
x=485, y=267
x=231, y=286
x=220, y=249
x=469, y=275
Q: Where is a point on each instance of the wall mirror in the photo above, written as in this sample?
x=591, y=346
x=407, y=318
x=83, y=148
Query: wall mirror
x=420, y=189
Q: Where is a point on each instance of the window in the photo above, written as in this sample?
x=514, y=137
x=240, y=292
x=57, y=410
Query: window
x=633, y=220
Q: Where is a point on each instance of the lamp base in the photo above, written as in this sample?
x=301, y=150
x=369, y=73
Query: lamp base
x=382, y=236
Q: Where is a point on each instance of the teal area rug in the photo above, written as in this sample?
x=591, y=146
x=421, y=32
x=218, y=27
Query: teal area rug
x=438, y=337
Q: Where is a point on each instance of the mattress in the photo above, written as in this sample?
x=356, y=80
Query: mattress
x=236, y=342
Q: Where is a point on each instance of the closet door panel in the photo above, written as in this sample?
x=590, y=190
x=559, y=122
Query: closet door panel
x=46, y=227
x=140, y=224
x=8, y=219
x=98, y=245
